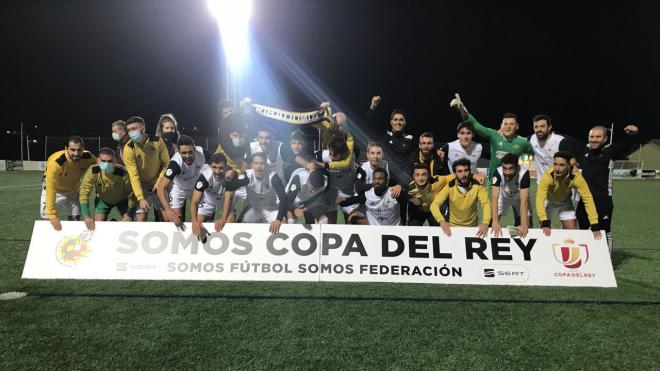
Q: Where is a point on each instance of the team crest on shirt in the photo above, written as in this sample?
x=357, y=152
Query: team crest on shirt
x=241, y=177
x=168, y=172
x=359, y=176
x=199, y=185
x=293, y=187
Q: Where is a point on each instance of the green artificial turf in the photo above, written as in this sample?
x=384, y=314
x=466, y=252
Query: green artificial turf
x=95, y=324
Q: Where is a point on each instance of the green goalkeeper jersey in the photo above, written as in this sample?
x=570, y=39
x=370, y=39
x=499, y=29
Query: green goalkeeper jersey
x=499, y=145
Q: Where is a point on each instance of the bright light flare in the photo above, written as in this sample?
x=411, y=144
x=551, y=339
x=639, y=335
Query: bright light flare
x=233, y=18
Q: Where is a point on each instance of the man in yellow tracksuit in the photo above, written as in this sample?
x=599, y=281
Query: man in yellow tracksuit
x=113, y=189
x=61, y=181
x=553, y=195
x=146, y=159
x=421, y=193
x=463, y=194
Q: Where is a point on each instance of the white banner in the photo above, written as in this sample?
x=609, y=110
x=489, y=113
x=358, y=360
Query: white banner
x=344, y=253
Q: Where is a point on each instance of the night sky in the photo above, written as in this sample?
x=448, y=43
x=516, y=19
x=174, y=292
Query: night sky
x=73, y=67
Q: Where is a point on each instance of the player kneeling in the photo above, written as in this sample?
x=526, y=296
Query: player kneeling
x=554, y=196
x=113, y=189
x=208, y=197
x=265, y=193
x=306, y=195
x=511, y=189
x=381, y=207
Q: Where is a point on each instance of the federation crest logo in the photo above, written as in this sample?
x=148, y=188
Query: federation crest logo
x=571, y=254
x=71, y=250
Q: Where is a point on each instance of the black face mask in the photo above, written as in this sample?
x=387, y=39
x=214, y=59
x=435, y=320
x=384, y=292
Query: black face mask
x=170, y=137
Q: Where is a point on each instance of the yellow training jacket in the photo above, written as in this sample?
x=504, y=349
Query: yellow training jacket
x=325, y=127
x=145, y=163
x=111, y=188
x=62, y=175
x=462, y=206
x=427, y=194
x=558, y=189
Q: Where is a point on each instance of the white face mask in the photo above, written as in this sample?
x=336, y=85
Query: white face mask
x=116, y=137
x=237, y=142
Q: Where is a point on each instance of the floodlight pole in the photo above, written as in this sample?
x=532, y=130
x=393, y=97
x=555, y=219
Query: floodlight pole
x=21, y=141
x=27, y=145
x=231, y=86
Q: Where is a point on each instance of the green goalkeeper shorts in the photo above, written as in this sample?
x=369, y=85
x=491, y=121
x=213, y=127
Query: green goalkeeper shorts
x=102, y=208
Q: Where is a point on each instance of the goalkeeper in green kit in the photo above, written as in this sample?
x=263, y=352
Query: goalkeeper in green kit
x=500, y=144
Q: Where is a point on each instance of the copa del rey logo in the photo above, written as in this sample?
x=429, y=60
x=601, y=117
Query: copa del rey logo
x=572, y=255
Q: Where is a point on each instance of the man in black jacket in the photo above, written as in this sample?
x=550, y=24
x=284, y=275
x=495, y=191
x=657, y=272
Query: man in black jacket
x=596, y=162
x=399, y=149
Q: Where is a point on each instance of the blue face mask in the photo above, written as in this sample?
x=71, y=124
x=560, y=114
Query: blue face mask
x=106, y=167
x=116, y=137
x=135, y=135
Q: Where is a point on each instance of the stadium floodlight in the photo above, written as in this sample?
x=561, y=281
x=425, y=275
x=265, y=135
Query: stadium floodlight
x=233, y=17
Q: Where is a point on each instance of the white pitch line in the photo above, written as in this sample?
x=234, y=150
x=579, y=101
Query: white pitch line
x=21, y=186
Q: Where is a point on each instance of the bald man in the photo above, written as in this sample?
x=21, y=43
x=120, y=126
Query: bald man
x=596, y=163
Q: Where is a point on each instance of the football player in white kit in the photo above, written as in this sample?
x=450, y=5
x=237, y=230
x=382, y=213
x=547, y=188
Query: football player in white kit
x=364, y=173
x=463, y=147
x=545, y=143
x=271, y=148
x=306, y=195
x=265, y=193
x=183, y=171
x=208, y=197
x=510, y=188
x=381, y=207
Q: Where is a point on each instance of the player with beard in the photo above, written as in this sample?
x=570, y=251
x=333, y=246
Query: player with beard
x=364, y=173
x=272, y=148
x=597, y=165
x=463, y=194
x=553, y=195
x=61, y=181
x=545, y=143
x=381, y=207
x=510, y=188
x=265, y=193
x=183, y=171
x=208, y=197
x=427, y=155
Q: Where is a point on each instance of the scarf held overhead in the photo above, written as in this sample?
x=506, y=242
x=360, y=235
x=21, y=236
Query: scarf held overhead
x=290, y=117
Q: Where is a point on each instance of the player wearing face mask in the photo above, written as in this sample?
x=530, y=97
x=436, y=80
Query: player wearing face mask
x=168, y=130
x=146, y=159
x=232, y=142
x=112, y=186
x=119, y=135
